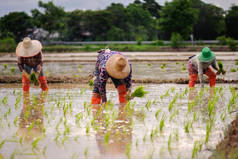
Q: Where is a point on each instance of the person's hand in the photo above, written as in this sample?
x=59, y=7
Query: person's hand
x=39, y=68
x=26, y=74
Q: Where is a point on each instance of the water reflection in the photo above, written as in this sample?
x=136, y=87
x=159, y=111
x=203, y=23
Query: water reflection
x=31, y=123
x=113, y=139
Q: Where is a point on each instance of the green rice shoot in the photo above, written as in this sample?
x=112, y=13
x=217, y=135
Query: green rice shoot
x=139, y=92
x=33, y=79
x=221, y=68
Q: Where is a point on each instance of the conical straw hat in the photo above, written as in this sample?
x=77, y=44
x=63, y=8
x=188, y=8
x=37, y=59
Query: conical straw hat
x=28, y=47
x=118, y=67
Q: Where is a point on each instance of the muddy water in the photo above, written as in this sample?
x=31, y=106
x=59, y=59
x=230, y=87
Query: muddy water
x=141, y=70
x=61, y=123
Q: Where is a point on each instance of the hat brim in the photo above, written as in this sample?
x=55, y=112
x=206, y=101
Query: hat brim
x=208, y=59
x=113, y=72
x=32, y=50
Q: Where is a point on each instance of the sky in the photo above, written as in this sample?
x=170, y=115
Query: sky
x=7, y=6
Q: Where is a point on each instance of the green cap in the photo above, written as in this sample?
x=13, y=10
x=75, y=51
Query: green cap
x=206, y=55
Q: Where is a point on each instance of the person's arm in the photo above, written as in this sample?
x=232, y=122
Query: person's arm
x=103, y=76
x=128, y=80
x=96, y=71
x=19, y=63
x=200, y=73
x=39, y=62
x=214, y=65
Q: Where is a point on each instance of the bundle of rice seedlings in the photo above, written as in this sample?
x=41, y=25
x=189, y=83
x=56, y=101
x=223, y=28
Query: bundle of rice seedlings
x=33, y=79
x=90, y=83
x=221, y=68
x=138, y=92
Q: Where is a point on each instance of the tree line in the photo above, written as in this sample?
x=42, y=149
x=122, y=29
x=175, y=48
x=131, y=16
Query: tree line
x=141, y=20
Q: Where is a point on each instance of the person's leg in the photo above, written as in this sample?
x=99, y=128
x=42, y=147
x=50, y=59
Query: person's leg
x=212, y=77
x=43, y=81
x=25, y=83
x=192, y=80
x=193, y=74
x=121, y=89
x=25, y=80
x=96, y=97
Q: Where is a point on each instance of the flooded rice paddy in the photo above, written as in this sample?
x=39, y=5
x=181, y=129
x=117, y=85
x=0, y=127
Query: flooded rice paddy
x=167, y=70
x=170, y=122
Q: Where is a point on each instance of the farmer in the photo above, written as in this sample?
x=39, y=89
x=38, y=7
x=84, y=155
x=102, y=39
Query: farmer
x=30, y=58
x=199, y=65
x=111, y=64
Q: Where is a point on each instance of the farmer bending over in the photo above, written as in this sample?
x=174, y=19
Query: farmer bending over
x=111, y=64
x=199, y=65
x=30, y=58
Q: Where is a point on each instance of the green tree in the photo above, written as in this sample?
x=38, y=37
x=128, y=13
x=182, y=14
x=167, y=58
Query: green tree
x=52, y=18
x=211, y=21
x=178, y=16
x=232, y=22
x=153, y=7
x=16, y=25
x=75, y=26
x=142, y=24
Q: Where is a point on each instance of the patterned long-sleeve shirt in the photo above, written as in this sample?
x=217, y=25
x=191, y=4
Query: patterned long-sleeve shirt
x=200, y=67
x=101, y=74
x=30, y=61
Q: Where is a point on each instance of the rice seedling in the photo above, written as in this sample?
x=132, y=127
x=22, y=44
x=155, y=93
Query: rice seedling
x=75, y=156
x=87, y=129
x=187, y=127
x=34, y=79
x=13, y=69
x=106, y=138
x=5, y=66
x=5, y=100
x=148, y=105
x=176, y=134
x=197, y=146
x=221, y=68
x=233, y=70
x=153, y=133
x=183, y=68
x=138, y=92
x=15, y=121
x=86, y=152
x=64, y=139
x=128, y=150
x=208, y=129
x=149, y=65
x=35, y=143
x=161, y=124
x=80, y=68
x=157, y=113
x=169, y=144
x=163, y=65
x=90, y=83
x=2, y=143
x=171, y=104
x=177, y=63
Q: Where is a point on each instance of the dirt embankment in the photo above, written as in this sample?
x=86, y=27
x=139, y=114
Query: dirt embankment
x=86, y=79
x=228, y=147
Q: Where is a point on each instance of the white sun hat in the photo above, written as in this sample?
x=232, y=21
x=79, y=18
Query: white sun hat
x=118, y=67
x=28, y=47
